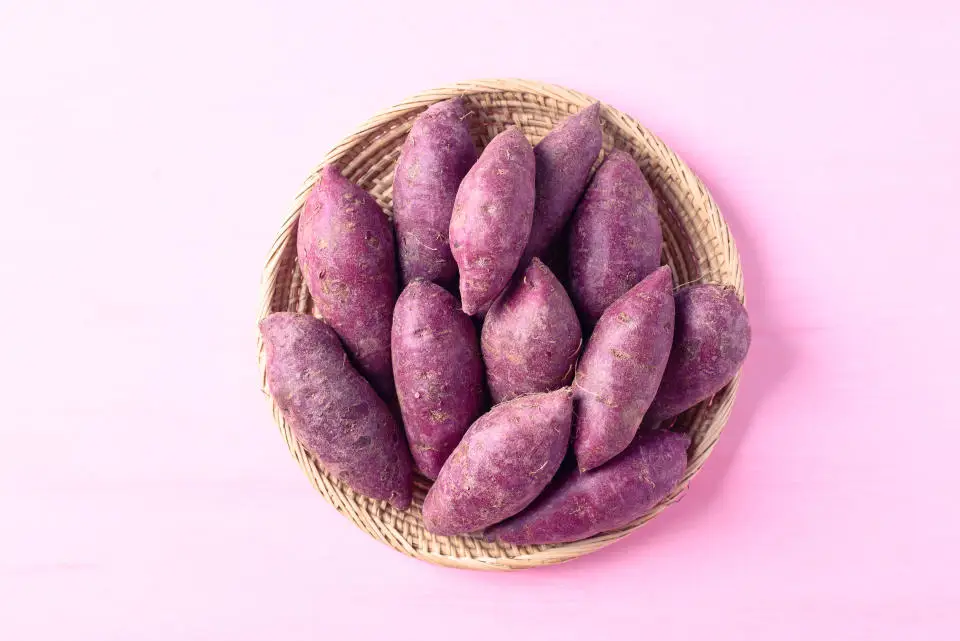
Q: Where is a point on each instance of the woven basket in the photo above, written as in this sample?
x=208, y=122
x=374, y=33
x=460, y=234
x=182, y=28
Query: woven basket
x=697, y=245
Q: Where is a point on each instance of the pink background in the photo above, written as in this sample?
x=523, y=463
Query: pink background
x=147, y=157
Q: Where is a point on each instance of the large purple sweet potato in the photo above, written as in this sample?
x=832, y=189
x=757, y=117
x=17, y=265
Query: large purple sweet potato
x=491, y=219
x=503, y=462
x=621, y=368
x=709, y=346
x=564, y=158
x=438, y=372
x=615, y=236
x=531, y=336
x=345, y=249
x=578, y=504
x=332, y=410
x=435, y=157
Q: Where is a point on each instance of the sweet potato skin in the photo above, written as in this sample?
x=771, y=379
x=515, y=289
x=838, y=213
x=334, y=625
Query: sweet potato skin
x=578, y=504
x=615, y=236
x=710, y=343
x=531, y=336
x=345, y=247
x=435, y=157
x=491, y=219
x=438, y=372
x=621, y=369
x=564, y=159
x=332, y=410
x=506, y=458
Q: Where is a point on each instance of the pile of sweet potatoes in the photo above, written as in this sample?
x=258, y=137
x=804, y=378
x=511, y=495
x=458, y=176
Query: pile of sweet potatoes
x=550, y=424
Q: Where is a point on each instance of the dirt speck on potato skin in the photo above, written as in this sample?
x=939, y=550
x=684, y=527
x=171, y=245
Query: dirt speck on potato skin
x=710, y=343
x=578, y=504
x=435, y=157
x=505, y=459
x=345, y=248
x=332, y=410
x=620, y=371
x=531, y=336
x=615, y=236
x=564, y=159
x=492, y=215
x=438, y=372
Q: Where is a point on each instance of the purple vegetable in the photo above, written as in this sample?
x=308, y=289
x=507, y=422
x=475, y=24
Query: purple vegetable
x=578, y=504
x=332, y=410
x=503, y=462
x=531, y=336
x=709, y=346
x=491, y=219
x=564, y=159
x=435, y=157
x=615, y=236
x=345, y=249
x=621, y=368
x=438, y=371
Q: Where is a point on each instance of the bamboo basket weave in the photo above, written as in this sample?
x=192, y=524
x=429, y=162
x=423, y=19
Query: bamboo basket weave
x=697, y=245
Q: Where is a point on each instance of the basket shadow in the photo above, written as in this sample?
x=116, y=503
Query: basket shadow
x=768, y=363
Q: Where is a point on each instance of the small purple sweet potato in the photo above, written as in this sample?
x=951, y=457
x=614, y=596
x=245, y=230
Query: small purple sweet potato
x=579, y=504
x=345, y=249
x=438, y=372
x=531, y=336
x=503, y=462
x=491, y=219
x=621, y=368
x=615, y=236
x=332, y=410
x=435, y=157
x=709, y=345
x=564, y=158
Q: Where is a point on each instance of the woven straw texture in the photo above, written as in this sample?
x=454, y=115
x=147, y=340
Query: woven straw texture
x=697, y=245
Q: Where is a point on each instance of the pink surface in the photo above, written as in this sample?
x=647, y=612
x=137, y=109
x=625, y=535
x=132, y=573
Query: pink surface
x=147, y=157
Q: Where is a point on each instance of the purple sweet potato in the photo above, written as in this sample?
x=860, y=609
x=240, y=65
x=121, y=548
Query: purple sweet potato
x=345, y=249
x=579, y=504
x=621, y=368
x=332, y=410
x=435, y=157
x=615, y=236
x=564, y=158
x=491, y=219
x=531, y=336
x=438, y=372
x=503, y=462
x=709, y=345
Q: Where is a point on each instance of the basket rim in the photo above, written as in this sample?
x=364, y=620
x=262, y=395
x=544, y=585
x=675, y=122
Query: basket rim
x=539, y=555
